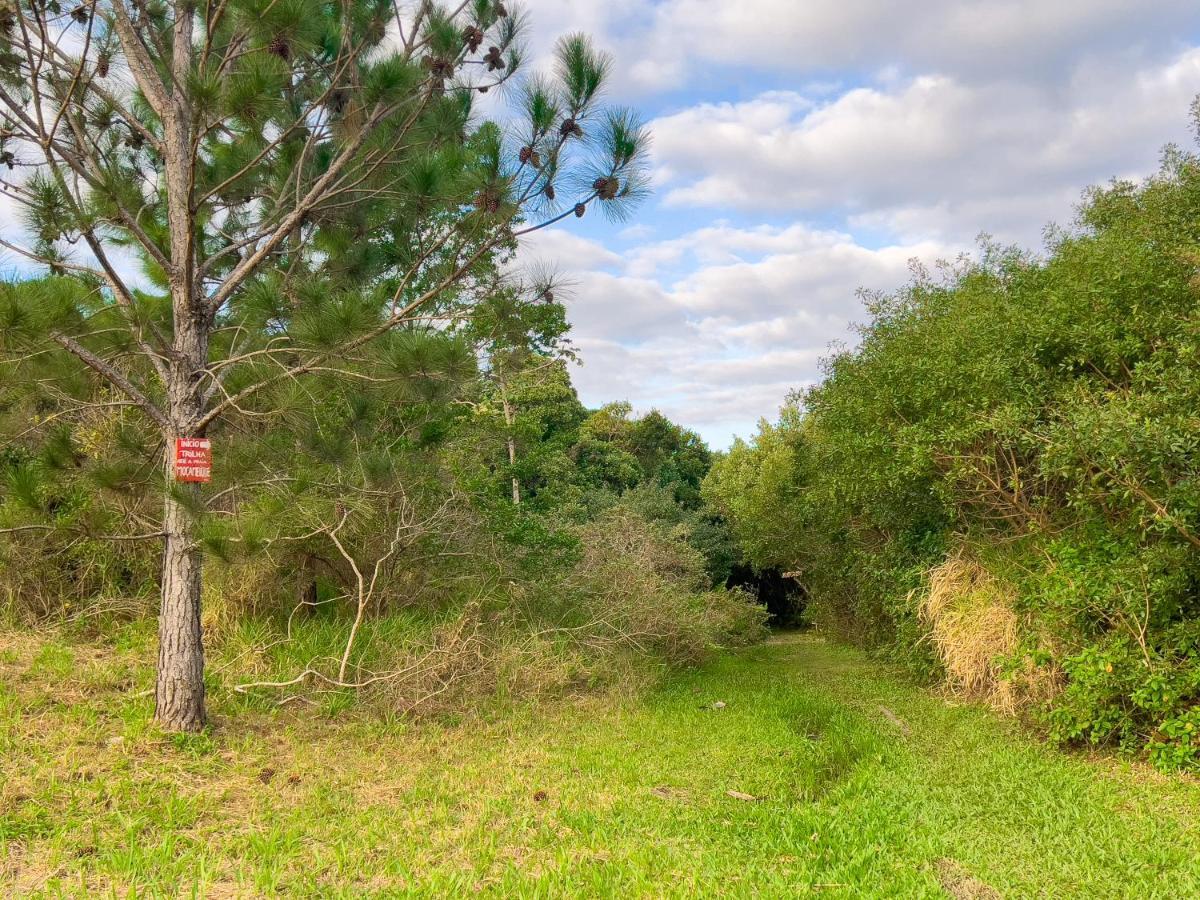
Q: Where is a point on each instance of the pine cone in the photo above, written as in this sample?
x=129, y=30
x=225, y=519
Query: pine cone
x=570, y=128
x=580, y=209
x=548, y=190
x=493, y=59
x=7, y=158
x=439, y=67
x=472, y=38
x=606, y=188
x=525, y=154
x=102, y=63
x=80, y=14
x=279, y=47
x=488, y=200
x=501, y=12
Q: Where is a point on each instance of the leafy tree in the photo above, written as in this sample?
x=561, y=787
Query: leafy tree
x=622, y=452
x=525, y=347
x=758, y=488
x=1035, y=415
x=305, y=191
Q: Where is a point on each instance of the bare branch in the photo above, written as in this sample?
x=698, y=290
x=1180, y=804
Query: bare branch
x=114, y=376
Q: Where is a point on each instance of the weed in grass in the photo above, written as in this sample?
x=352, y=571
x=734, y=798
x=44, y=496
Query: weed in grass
x=52, y=662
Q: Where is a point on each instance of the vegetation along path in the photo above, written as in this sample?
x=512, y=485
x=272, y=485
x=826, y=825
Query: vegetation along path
x=794, y=768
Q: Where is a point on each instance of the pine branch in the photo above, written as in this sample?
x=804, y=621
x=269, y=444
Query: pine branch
x=387, y=325
x=139, y=61
x=113, y=376
x=298, y=211
x=573, y=211
x=55, y=150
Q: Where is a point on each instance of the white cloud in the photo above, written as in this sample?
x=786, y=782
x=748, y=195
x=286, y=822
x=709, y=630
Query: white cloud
x=932, y=156
x=903, y=129
x=669, y=44
x=564, y=249
x=721, y=345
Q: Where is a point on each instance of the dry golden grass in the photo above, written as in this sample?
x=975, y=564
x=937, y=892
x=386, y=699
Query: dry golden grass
x=960, y=884
x=234, y=591
x=977, y=633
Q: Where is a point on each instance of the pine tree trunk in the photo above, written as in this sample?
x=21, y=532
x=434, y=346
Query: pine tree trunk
x=179, y=693
x=509, y=419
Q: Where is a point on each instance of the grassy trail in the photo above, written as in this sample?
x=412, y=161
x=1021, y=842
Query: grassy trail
x=863, y=786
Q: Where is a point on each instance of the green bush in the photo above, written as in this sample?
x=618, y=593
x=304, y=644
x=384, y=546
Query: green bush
x=1176, y=744
x=1040, y=412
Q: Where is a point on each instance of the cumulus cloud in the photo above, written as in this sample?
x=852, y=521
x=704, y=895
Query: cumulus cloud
x=930, y=156
x=749, y=319
x=715, y=325
x=564, y=249
x=863, y=133
x=669, y=44
x=985, y=36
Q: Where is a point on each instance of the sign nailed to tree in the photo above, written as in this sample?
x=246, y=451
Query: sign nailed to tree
x=193, y=459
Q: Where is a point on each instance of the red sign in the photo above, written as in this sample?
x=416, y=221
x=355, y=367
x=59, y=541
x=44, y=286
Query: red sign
x=193, y=459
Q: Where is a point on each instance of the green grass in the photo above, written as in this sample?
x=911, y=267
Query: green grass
x=603, y=797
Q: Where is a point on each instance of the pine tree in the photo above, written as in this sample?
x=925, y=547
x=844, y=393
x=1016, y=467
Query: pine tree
x=292, y=182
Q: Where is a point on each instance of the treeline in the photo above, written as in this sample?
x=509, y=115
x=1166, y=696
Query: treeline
x=442, y=519
x=292, y=230
x=999, y=484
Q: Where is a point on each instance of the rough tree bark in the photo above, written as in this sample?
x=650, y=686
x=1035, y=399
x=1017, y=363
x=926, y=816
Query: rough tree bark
x=179, y=691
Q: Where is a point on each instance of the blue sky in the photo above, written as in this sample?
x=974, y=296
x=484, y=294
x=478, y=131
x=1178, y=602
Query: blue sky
x=803, y=150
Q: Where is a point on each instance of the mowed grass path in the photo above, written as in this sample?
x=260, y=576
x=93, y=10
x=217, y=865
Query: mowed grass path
x=614, y=797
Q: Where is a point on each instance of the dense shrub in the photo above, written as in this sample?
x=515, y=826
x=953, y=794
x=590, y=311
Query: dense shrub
x=635, y=596
x=1039, y=416
x=640, y=584
x=424, y=542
